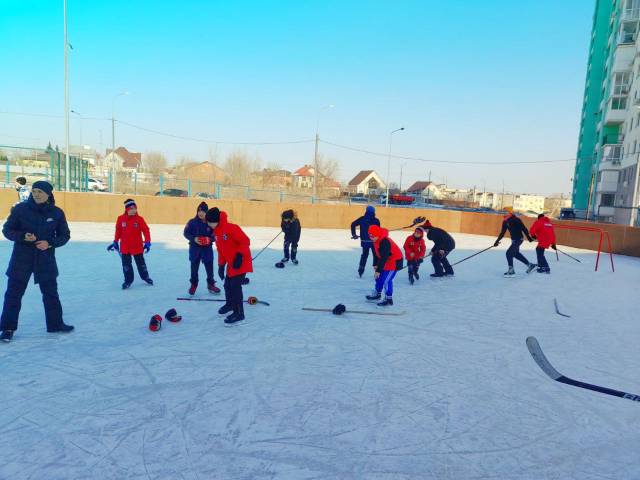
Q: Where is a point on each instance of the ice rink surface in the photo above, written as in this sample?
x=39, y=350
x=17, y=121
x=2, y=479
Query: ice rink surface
x=446, y=391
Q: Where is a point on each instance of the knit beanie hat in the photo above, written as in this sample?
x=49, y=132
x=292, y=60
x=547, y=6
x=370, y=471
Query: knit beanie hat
x=46, y=187
x=203, y=206
x=129, y=203
x=213, y=215
x=426, y=225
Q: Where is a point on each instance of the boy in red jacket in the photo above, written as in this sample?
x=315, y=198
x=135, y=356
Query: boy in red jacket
x=130, y=228
x=543, y=231
x=414, y=249
x=389, y=261
x=234, y=252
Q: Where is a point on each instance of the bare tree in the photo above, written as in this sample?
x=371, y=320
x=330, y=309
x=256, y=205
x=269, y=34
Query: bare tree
x=238, y=168
x=154, y=162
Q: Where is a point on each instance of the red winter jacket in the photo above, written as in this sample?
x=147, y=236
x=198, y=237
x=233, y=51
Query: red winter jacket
x=414, y=248
x=388, y=253
x=543, y=230
x=129, y=232
x=231, y=240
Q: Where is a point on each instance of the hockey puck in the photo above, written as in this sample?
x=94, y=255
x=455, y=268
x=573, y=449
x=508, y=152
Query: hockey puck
x=279, y=265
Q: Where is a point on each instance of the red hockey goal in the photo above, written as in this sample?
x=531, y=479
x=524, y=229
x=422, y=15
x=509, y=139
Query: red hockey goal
x=602, y=234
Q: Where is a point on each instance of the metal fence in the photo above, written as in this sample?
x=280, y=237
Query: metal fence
x=37, y=164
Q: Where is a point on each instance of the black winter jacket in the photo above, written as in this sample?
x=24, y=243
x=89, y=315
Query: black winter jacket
x=46, y=222
x=516, y=228
x=291, y=230
x=441, y=240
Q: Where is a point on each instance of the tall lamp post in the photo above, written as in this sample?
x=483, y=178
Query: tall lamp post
x=80, y=117
x=113, y=140
x=67, y=168
x=315, y=156
x=389, y=161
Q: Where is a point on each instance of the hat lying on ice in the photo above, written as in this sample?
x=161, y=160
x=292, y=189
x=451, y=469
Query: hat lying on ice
x=130, y=203
x=203, y=206
x=213, y=215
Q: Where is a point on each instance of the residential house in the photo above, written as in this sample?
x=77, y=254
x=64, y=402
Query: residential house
x=366, y=182
x=427, y=190
x=303, y=177
x=122, y=159
x=275, y=178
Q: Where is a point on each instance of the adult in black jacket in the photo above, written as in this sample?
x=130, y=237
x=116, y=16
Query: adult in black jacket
x=443, y=245
x=291, y=227
x=37, y=227
x=364, y=222
x=517, y=232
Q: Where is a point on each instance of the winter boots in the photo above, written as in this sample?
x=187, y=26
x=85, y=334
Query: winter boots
x=62, y=328
x=211, y=286
x=193, y=288
x=374, y=296
x=236, y=316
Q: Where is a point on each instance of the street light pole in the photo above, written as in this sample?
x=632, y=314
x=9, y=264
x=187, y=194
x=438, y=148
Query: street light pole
x=401, y=168
x=80, y=116
x=389, y=162
x=67, y=169
x=113, y=140
x=315, y=156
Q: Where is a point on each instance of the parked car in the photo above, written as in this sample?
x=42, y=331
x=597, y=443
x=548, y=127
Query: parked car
x=173, y=192
x=567, y=214
x=358, y=197
x=34, y=177
x=205, y=195
x=96, y=185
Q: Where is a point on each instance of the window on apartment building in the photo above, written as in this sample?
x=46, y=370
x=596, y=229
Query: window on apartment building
x=619, y=103
x=599, y=177
x=621, y=82
x=607, y=199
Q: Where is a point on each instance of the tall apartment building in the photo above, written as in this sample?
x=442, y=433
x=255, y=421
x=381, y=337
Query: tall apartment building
x=605, y=181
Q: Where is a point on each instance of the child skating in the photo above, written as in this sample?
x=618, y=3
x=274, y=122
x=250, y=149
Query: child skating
x=200, y=236
x=543, y=231
x=414, y=250
x=389, y=261
x=130, y=230
x=290, y=225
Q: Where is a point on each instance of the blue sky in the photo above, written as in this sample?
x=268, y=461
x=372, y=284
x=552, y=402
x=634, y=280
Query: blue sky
x=476, y=81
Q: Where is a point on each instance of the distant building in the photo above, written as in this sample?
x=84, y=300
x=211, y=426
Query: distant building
x=201, y=172
x=303, y=177
x=275, y=178
x=427, y=190
x=122, y=159
x=528, y=203
x=366, y=182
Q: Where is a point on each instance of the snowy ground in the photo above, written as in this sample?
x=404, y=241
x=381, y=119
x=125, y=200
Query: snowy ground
x=446, y=391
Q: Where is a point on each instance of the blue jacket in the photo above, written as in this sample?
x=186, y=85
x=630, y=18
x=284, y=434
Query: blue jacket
x=46, y=222
x=197, y=228
x=368, y=219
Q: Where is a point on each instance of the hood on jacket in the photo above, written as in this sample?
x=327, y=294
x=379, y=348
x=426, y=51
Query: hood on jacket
x=47, y=188
x=378, y=232
x=223, y=220
x=370, y=211
x=289, y=215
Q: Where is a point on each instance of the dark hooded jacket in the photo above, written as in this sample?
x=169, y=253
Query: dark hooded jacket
x=199, y=228
x=441, y=240
x=291, y=229
x=46, y=222
x=368, y=219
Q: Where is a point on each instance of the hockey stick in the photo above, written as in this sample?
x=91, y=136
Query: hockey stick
x=250, y=300
x=555, y=302
x=274, y=238
x=388, y=314
x=545, y=365
x=416, y=221
x=571, y=257
x=557, y=256
x=471, y=256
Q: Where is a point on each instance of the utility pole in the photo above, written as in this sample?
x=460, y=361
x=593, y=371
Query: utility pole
x=315, y=156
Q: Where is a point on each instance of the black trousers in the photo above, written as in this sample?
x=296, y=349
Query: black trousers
x=365, y=255
x=440, y=263
x=290, y=246
x=514, y=252
x=542, y=261
x=233, y=293
x=127, y=267
x=13, y=304
x=412, y=267
x=208, y=267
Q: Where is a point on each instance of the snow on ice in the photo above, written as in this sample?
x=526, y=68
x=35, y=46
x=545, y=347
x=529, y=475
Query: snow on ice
x=446, y=391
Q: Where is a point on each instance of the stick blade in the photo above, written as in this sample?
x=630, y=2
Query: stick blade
x=540, y=358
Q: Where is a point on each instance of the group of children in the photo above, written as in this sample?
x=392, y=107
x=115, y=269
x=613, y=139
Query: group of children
x=209, y=226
